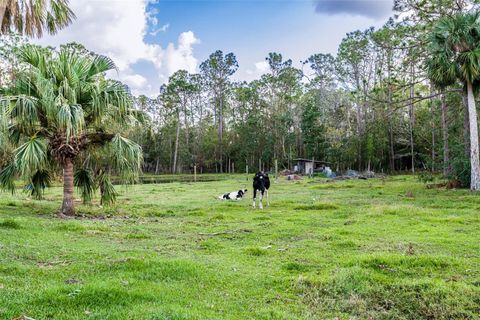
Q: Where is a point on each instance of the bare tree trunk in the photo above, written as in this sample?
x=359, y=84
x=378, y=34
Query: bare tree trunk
x=474, y=157
x=3, y=7
x=185, y=120
x=220, y=133
x=175, y=153
x=157, y=165
x=390, y=130
x=412, y=115
x=432, y=111
x=391, y=156
x=446, y=161
x=68, y=206
x=359, y=136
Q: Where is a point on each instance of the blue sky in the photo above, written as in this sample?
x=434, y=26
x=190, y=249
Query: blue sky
x=150, y=39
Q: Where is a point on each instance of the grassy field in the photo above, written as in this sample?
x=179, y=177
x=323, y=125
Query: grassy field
x=377, y=249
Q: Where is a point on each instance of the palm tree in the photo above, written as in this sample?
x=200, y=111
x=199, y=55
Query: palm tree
x=455, y=55
x=62, y=113
x=33, y=17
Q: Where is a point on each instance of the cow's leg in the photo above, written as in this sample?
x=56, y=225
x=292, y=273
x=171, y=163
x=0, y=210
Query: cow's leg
x=268, y=203
x=254, y=197
x=260, y=204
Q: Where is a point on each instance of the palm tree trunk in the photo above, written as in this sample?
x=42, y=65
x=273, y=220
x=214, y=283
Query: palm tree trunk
x=466, y=126
x=68, y=207
x=446, y=164
x=175, y=154
x=474, y=157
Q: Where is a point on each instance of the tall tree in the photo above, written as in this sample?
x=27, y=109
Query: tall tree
x=63, y=113
x=282, y=90
x=217, y=70
x=355, y=64
x=323, y=66
x=179, y=94
x=455, y=50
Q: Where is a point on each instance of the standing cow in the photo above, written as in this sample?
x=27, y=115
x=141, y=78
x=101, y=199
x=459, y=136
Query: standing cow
x=261, y=182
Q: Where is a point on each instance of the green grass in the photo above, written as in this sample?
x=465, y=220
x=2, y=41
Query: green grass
x=346, y=250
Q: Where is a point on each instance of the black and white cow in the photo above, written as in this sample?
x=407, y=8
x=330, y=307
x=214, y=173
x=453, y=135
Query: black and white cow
x=235, y=195
x=261, y=182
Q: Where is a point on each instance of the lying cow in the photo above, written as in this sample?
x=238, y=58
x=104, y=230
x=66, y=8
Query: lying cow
x=235, y=195
x=261, y=182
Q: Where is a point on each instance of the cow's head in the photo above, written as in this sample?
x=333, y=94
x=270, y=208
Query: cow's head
x=259, y=180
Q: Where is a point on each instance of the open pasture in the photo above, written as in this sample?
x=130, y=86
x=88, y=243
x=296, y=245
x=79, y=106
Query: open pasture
x=376, y=249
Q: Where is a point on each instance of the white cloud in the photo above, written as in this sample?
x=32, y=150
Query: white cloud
x=117, y=28
x=181, y=57
x=163, y=28
x=137, y=83
x=261, y=67
x=135, y=80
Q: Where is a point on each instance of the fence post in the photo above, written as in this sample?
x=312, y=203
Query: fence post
x=276, y=169
x=195, y=173
x=246, y=170
x=313, y=168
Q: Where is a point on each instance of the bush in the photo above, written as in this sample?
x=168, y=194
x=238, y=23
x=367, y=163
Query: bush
x=10, y=224
x=460, y=170
x=426, y=177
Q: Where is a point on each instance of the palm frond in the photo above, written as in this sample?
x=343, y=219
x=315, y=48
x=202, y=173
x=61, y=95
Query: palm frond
x=70, y=119
x=31, y=156
x=83, y=180
x=101, y=64
x=5, y=112
x=116, y=94
x=7, y=177
x=108, y=194
x=34, y=56
x=25, y=110
x=126, y=156
x=32, y=18
x=441, y=71
x=470, y=64
x=40, y=180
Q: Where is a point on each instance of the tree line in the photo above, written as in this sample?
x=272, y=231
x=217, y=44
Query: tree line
x=392, y=99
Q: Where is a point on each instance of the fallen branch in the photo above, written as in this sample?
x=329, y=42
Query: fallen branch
x=223, y=232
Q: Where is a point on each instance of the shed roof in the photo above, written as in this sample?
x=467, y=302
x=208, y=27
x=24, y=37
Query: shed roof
x=310, y=160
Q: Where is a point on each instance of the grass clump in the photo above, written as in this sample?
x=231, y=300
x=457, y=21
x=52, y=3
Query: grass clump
x=296, y=267
x=359, y=293
x=255, y=251
x=317, y=206
x=70, y=227
x=10, y=224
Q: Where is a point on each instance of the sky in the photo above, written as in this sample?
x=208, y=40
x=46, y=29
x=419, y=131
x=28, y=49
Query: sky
x=151, y=39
